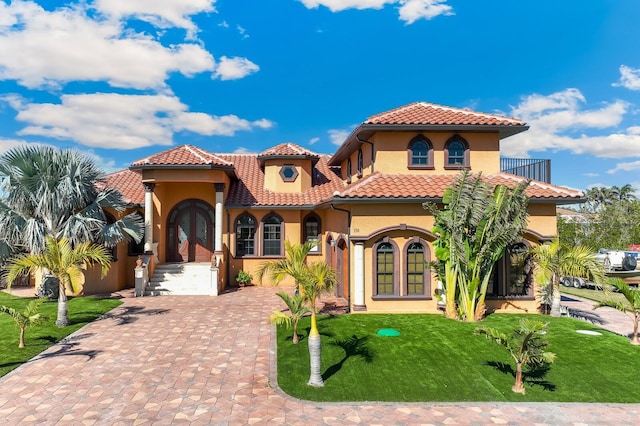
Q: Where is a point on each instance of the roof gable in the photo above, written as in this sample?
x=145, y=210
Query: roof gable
x=183, y=155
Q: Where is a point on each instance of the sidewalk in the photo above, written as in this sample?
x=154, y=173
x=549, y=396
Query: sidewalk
x=605, y=317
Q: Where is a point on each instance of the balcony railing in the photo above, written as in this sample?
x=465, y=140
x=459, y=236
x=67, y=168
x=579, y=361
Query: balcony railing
x=529, y=168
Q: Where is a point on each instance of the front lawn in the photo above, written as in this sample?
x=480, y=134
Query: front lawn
x=82, y=310
x=435, y=359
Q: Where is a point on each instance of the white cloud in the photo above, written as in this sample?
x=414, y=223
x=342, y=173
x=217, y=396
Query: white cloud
x=159, y=13
x=242, y=150
x=337, y=136
x=626, y=167
x=313, y=141
x=234, y=68
x=41, y=48
x=412, y=10
x=124, y=121
x=409, y=10
x=559, y=122
x=8, y=144
x=629, y=78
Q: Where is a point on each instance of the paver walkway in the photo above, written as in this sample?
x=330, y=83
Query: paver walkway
x=209, y=360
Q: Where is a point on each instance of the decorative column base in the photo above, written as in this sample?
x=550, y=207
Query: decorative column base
x=359, y=308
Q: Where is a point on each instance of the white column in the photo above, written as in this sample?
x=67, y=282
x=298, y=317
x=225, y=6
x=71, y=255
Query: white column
x=358, y=277
x=218, y=226
x=148, y=216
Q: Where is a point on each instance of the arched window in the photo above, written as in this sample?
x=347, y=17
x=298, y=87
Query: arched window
x=512, y=274
x=312, y=231
x=386, y=276
x=245, y=235
x=456, y=153
x=415, y=270
x=136, y=249
x=272, y=235
x=420, y=152
x=360, y=163
x=349, y=170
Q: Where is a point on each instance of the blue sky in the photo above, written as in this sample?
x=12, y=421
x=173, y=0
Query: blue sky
x=122, y=79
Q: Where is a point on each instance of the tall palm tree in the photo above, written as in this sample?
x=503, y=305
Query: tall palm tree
x=27, y=318
x=474, y=229
x=631, y=304
x=64, y=261
x=60, y=193
x=48, y=192
x=552, y=261
x=314, y=279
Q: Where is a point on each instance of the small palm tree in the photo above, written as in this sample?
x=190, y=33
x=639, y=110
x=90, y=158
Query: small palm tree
x=66, y=263
x=526, y=346
x=292, y=265
x=296, y=311
x=552, y=262
x=27, y=318
x=630, y=306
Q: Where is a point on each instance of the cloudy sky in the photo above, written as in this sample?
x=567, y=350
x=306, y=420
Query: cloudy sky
x=121, y=79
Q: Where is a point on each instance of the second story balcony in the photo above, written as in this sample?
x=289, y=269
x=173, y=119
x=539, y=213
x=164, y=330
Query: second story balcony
x=530, y=168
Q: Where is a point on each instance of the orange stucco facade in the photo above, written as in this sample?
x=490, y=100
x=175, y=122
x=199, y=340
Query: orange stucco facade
x=354, y=202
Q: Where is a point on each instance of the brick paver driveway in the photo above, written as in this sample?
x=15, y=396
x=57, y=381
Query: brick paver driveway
x=207, y=360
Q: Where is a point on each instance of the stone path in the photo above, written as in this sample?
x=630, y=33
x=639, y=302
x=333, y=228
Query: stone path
x=210, y=361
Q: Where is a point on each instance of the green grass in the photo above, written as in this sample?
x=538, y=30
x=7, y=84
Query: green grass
x=82, y=310
x=435, y=359
x=592, y=294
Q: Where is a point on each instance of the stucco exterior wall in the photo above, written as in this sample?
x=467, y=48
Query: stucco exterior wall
x=273, y=180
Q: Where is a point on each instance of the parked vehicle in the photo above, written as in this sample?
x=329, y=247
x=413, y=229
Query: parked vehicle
x=618, y=260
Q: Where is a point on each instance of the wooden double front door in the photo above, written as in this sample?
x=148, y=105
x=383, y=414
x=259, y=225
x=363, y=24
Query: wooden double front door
x=190, y=230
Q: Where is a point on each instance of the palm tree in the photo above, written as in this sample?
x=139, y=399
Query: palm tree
x=314, y=279
x=66, y=263
x=630, y=306
x=474, y=229
x=296, y=311
x=552, y=261
x=623, y=193
x=59, y=193
x=526, y=346
x=47, y=192
x=27, y=318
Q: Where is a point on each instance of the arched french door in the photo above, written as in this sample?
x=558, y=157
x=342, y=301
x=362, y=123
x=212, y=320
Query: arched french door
x=190, y=229
x=341, y=260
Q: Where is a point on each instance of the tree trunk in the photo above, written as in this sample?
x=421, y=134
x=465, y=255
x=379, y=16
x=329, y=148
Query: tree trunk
x=555, y=305
x=63, y=312
x=21, y=344
x=634, y=338
x=518, y=386
x=295, y=338
x=315, y=349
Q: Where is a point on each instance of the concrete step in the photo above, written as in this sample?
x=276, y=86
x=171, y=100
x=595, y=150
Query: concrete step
x=180, y=279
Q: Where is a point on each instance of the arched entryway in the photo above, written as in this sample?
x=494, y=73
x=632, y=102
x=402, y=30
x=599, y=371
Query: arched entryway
x=341, y=260
x=190, y=229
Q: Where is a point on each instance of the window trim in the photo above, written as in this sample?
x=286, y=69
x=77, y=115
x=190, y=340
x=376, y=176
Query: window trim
x=360, y=164
x=289, y=167
x=410, y=154
x=349, y=170
x=263, y=226
x=465, y=145
x=426, y=276
x=396, y=270
x=255, y=232
x=318, y=248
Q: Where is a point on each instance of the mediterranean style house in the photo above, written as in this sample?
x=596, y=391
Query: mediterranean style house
x=363, y=205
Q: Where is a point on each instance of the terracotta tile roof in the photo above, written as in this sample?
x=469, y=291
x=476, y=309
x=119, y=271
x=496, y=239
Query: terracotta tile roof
x=182, y=155
x=249, y=188
x=287, y=149
x=399, y=186
x=424, y=113
x=129, y=183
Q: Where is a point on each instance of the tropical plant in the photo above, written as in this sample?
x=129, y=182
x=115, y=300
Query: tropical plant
x=314, y=279
x=552, y=261
x=65, y=262
x=27, y=318
x=51, y=193
x=474, y=228
x=243, y=277
x=526, y=346
x=297, y=310
x=630, y=305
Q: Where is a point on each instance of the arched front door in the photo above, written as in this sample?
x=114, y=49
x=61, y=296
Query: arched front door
x=190, y=231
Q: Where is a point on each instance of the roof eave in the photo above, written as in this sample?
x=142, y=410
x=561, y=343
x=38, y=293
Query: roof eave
x=230, y=170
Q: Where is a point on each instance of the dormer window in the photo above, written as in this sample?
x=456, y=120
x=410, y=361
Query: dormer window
x=420, y=152
x=289, y=173
x=456, y=153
